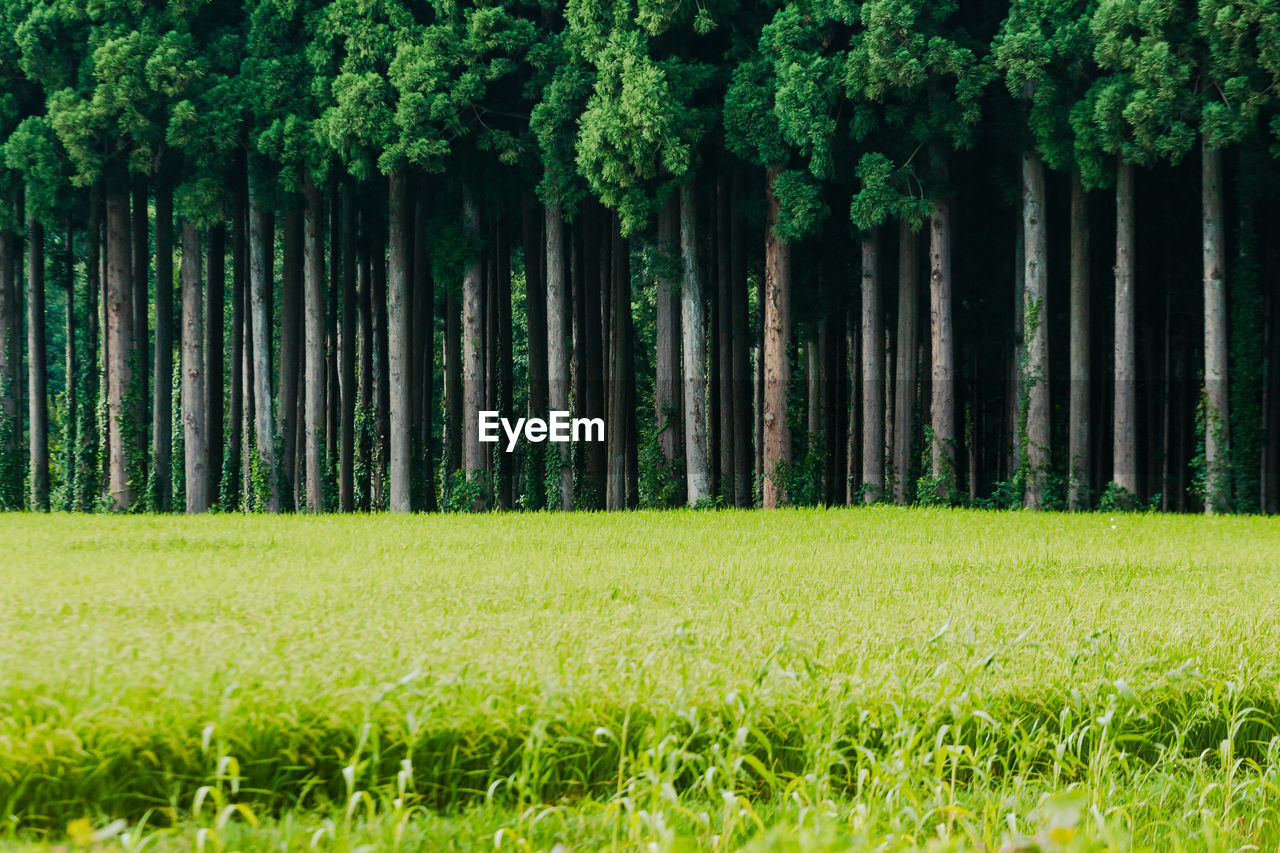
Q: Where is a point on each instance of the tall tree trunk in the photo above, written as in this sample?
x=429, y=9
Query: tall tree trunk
x=194, y=399
x=314, y=331
x=697, y=471
x=37, y=369
x=328, y=228
x=399, y=301
x=506, y=359
x=261, y=237
x=381, y=367
x=1081, y=380
x=777, y=363
x=162, y=364
x=905, y=361
x=557, y=336
x=667, y=357
x=536, y=311
x=473, y=452
x=290, y=352
x=872, y=372
x=347, y=356
x=91, y=437
x=1124, y=453
x=1217, y=441
x=141, y=256
x=424, y=349
x=214, y=300
x=622, y=416
x=942, y=406
x=853, y=433
x=11, y=465
x=744, y=452
x=724, y=339
x=1036, y=322
x=73, y=425
x=123, y=385
x=230, y=497
x=364, y=440
x=595, y=280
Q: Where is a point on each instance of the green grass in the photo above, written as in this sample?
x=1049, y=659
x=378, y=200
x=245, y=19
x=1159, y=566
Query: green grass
x=803, y=680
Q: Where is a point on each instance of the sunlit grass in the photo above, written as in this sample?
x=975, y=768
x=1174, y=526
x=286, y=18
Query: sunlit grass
x=831, y=680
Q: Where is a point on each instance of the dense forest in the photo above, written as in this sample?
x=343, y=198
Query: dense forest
x=277, y=255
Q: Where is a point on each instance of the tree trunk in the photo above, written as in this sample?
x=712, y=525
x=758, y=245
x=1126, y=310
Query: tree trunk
x=506, y=358
x=557, y=335
x=328, y=228
x=214, y=300
x=37, y=370
x=1124, y=454
x=194, y=415
x=1078, y=418
x=314, y=353
x=400, y=346
x=162, y=363
x=1035, y=312
x=777, y=363
x=594, y=282
x=872, y=372
x=229, y=498
x=123, y=386
x=261, y=236
x=290, y=352
x=1217, y=441
x=667, y=356
x=697, y=472
x=381, y=368
x=11, y=496
x=620, y=417
x=347, y=356
x=536, y=312
x=91, y=480
x=853, y=433
x=473, y=452
x=72, y=423
x=141, y=256
x=744, y=452
x=724, y=340
x=424, y=341
x=942, y=406
x=905, y=369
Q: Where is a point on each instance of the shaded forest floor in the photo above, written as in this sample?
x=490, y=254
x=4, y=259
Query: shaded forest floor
x=798, y=680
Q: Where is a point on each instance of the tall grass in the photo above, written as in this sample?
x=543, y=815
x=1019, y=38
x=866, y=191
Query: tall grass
x=794, y=680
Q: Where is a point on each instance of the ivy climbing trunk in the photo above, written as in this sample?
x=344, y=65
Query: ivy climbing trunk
x=194, y=401
x=777, y=365
x=1035, y=322
x=667, y=330
x=697, y=470
x=1217, y=440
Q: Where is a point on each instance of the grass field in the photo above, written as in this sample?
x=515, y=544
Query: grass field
x=802, y=680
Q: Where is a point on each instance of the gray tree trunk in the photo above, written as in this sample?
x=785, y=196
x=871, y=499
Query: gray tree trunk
x=1081, y=378
x=194, y=412
x=1124, y=451
x=1035, y=312
x=122, y=372
x=557, y=346
x=905, y=359
x=1217, y=441
x=694, y=351
x=37, y=370
x=261, y=236
x=162, y=364
x=10, y=361
x=667, y=358
x=473, y=395
x=290, y=362
x=314, y=354
x=398, y=308
x=872, y=372
x=942, y=382
x=777, y=364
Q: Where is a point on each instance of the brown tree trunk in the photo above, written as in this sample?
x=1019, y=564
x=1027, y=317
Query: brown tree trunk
x=697, y=470
x=557, y=344
x=194, y=415
x=347, y=356
x=1078, y=418
x=853, y=430
x=942, y=384
x=37, y=370
x=400, y=346
x=261, y=237
x=473, y=451
x=290, y=352
x=314, y=354
x=777, y=364
x=123, y=384
x=667, y=357
x=1124, y=454
x=1035, y=309
x=162, y=364
x=872, y=372
x=1217, y=441
x=905, y=369
x=214, y=300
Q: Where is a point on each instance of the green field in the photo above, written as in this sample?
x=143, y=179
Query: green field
x=799, y=680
